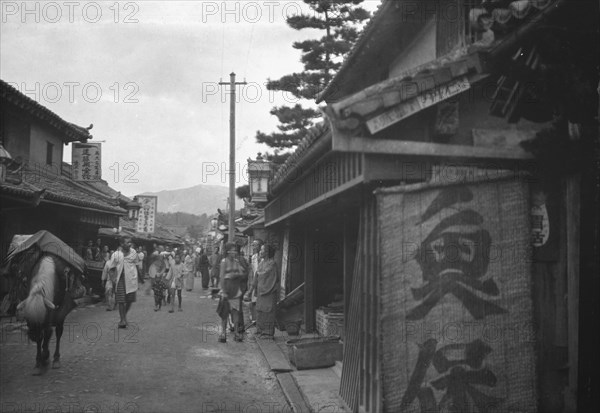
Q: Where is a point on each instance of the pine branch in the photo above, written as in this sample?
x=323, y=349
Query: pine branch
x=321, y=58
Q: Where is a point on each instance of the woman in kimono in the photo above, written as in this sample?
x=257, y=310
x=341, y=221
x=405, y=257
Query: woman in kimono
x=266, y=285
x=188, y=271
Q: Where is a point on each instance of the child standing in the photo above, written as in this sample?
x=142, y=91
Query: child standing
x=175, y=277
x=159, y=286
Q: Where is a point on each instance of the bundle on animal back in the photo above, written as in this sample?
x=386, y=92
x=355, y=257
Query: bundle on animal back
x=42, y=292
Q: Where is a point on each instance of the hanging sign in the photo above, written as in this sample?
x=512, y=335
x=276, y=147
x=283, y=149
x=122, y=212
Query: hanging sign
x=86, y=159
x=414, y=105
x=147, y=214
x=544, y=224
x=284, y=262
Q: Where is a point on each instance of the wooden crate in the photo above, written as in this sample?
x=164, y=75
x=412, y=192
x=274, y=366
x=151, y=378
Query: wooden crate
x=329, y=324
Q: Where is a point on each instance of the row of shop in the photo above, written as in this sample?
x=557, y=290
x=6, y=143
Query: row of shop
x=38, y=191
x=440, y=205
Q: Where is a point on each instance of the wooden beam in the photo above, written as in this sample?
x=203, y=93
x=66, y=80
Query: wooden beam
x=426, y=149
x=309, y=281
x=301, y=208
x=395, y=168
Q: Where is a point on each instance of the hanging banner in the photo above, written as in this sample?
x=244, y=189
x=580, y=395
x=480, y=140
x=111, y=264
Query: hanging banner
x=147, y=213
x=457, y=313
x=284, y=263
x=86, y=160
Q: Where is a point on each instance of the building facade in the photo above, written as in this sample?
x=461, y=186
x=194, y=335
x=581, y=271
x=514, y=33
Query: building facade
x=427, y=202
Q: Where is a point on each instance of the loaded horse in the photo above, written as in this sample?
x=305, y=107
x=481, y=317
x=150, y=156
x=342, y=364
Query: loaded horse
x=54, y=283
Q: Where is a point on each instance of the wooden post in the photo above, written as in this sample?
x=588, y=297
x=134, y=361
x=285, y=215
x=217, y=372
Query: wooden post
x=573, y=207
x=348, y=260
x=232, y=84
x=309, y=281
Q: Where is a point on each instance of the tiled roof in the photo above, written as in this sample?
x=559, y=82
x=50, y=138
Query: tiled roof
x=394, y=91
x=253, y=224
x=498, y=16
x=313, y=135
x=160, y=234
x=59, y=189
x=520, y=11
x=103, y=187
x=69, y=132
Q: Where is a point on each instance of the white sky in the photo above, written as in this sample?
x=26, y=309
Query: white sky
x=157, y=65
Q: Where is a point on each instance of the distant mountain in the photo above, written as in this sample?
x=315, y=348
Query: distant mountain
x=199, y=199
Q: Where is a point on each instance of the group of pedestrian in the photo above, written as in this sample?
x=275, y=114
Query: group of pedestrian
x=170, y=271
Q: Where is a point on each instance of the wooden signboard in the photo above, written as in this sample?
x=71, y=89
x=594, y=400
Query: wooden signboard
x=86, y=161
x=456, y=305
x=147, y=213
x=284, y=261
x=414, y=105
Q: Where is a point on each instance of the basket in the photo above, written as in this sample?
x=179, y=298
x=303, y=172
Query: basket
x=329, y=324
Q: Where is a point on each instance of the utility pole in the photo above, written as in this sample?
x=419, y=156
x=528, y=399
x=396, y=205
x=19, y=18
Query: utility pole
x=232, y=84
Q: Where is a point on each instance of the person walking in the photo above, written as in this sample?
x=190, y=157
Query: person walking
x=140, y=265
x=254, y=261
x=175, y=281
x=159, y=286
x=266, y=285
x=203, y=265
x=127, y=278
x=233, y=279
x=215, y=268
x=188, y=271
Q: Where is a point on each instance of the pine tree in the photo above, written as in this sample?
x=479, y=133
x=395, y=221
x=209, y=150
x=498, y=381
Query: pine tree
x=321, y=58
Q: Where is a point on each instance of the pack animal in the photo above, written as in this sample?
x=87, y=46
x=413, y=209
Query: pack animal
x=49, y=302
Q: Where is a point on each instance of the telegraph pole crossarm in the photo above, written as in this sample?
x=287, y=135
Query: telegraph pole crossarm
x=232, y=84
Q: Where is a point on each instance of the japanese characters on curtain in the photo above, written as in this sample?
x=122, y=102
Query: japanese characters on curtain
x=456, y=298
x=147, y=213
x=86, y=161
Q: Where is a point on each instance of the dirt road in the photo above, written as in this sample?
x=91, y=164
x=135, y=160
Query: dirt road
x=164, y=362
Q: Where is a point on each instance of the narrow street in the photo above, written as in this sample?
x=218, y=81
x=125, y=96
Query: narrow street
x=164, y=362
